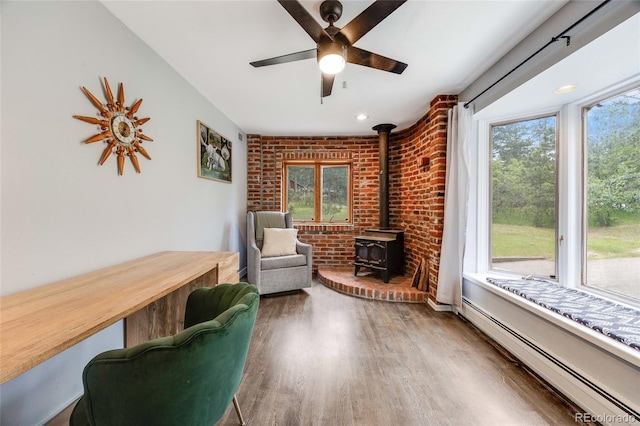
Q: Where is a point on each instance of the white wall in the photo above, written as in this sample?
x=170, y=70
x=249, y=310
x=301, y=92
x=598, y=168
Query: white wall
x=61, y=214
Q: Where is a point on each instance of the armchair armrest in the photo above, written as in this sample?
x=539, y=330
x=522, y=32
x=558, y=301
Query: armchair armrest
x=303, y=248
x=307, y=250
x=254, y=257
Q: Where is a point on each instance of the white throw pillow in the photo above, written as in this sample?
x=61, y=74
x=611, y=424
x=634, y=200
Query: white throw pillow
x=279, y=242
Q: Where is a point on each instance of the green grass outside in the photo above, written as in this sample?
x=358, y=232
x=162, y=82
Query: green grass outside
x=528, y=241
x=305, y=212
x=301, y=212
x=614, y=241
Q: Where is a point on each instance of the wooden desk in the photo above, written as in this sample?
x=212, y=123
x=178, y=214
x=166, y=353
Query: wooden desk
x=149, y=293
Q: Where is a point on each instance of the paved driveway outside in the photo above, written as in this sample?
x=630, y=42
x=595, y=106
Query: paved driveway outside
x=620, y=275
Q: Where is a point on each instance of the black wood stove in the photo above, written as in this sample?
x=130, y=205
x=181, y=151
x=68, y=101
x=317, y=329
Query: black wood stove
x=381, y=249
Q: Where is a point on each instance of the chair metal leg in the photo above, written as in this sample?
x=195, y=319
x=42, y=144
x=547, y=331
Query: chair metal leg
x=238, y=412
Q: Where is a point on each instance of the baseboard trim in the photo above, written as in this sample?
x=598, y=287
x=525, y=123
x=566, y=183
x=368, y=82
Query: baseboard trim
x=242, y=273
x=439, y=308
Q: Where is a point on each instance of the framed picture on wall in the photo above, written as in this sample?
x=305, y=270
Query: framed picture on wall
x=214, y=154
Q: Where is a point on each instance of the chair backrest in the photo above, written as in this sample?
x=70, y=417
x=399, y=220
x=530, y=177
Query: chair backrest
x=186, y=379
x=259, y=220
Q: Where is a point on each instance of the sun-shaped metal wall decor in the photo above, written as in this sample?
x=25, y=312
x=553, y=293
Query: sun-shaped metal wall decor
x=119, y=127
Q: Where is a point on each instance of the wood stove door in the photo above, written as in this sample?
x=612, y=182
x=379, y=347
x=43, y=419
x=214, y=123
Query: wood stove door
x=370, y=253
x=362, y=251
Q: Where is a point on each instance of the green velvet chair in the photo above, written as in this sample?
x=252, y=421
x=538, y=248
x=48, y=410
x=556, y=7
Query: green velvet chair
x=189, y=378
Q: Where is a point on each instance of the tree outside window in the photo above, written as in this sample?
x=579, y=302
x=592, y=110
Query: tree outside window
x=318, y=191
x=612, y=144
x=523, y=168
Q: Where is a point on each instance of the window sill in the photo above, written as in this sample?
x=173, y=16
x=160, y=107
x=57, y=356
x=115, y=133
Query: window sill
x=311, y=227
x=594, y=337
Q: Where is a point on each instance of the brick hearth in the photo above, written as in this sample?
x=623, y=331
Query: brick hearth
x=370, y=286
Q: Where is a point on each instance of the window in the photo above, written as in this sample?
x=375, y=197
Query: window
x=611, y=253
x=318, y=191
x=559, y=196
x=523, y=197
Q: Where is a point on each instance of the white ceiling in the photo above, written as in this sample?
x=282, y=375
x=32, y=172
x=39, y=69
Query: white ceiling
x=608, y=60
x=447, y=45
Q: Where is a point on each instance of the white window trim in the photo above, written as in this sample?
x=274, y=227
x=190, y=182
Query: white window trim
x=569, y=261
x=483, y=202
x=570, y=192
x=574, y=124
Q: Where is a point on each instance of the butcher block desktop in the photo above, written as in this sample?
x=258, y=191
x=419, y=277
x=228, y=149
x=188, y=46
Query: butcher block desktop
x=148, y=293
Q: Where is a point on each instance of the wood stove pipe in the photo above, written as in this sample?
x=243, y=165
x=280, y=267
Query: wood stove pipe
x=383, y=141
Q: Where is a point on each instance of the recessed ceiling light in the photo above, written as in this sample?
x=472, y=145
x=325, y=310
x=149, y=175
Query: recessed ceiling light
x=362, y=117
x=566, y=89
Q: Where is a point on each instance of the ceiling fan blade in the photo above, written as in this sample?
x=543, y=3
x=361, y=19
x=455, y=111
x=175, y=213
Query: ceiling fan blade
x=291, y=57
x=368, y=59
x=369, y=18
x=304, y=19
x=327, y=84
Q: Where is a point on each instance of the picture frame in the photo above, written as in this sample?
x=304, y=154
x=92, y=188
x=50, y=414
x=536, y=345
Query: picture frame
x=214, y=154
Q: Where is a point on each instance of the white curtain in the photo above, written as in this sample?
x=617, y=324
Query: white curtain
x=455, y=206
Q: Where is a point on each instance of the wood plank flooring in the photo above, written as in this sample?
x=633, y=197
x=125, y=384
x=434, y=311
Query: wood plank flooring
x=322, y=358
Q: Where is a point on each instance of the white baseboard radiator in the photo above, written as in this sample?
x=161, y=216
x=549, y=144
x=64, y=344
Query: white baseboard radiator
x=595, y=372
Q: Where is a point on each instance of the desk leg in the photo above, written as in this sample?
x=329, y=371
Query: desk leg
x=165, y=316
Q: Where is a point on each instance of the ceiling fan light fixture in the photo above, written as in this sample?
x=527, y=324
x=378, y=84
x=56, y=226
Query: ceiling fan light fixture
x=331, y=57
x=331, y=63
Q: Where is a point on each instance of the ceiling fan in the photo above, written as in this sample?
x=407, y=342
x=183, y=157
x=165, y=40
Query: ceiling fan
x=335, y=45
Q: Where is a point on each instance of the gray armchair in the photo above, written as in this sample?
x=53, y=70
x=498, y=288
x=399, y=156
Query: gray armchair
x=278, y=273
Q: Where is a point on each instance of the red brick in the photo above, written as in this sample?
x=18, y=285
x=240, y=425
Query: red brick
x=414, y=204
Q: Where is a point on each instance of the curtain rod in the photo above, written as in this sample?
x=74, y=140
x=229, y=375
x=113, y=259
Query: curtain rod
x=562, y=35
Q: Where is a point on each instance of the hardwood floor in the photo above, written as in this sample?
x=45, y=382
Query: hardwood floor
x=322, y=358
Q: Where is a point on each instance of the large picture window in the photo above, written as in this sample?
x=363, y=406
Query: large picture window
x=523, y=215
x=593, y=241
x=611, y=253
x=318, y=191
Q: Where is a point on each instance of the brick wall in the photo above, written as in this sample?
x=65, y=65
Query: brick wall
x=416, y=195
x=418, y=190
x=332, y=244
